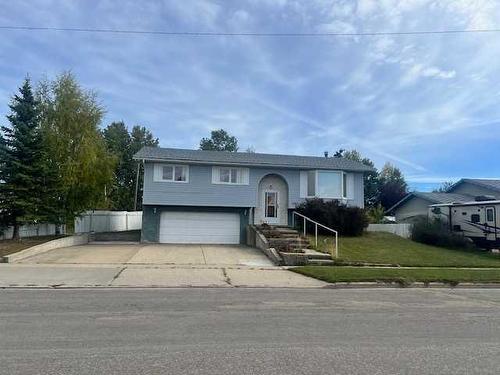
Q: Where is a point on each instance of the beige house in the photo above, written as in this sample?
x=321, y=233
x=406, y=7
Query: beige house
x=416, y=204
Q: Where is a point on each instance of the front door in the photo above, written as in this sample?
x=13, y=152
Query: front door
x=271, y=207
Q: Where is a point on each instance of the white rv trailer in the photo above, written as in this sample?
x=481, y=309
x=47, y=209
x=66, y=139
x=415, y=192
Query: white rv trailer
x=479, y=220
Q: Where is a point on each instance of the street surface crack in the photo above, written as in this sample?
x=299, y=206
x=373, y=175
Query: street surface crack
x=227, y=279
x=117, y=275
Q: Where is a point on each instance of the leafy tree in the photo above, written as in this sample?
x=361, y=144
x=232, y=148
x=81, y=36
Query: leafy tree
x=219, y=140
x=124, y=145
x=140, y=137
x=118, y=143
x=370, y=179
x=76, y=149
x=21, y=163
x=339, y=153
x=376, y=214
x=392, y=186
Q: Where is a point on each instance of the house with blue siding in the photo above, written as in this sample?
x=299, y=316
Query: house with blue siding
x=196, y=196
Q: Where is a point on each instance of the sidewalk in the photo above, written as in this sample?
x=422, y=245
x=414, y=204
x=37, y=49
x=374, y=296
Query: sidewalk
x=106, y=275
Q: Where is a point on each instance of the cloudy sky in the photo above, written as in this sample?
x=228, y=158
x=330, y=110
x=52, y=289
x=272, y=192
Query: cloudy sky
x=429, y=104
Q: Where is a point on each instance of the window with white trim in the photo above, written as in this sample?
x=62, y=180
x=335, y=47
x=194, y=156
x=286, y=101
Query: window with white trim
x=311, y=183
x=329, y=184
x=171, y=173
x=230, y=176
x=326, y=184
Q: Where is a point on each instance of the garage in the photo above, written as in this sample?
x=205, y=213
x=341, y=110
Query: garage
x=200, y=227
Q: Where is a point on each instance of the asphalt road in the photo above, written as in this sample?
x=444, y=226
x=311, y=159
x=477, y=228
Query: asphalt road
x=249, y=331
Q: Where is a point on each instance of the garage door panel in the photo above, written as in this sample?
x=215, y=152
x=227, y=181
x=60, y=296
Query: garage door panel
x=200, y=227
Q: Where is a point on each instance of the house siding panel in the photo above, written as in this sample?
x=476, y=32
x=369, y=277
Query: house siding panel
x=200, y=191
x=412, y=209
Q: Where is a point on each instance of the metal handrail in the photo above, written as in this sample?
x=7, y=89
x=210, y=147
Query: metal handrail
x=336, y=238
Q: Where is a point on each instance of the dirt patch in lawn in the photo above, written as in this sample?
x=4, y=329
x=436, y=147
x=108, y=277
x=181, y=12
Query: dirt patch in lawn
x=10, y=246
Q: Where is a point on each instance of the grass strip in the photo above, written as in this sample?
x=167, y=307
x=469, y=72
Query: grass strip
x=398, y=275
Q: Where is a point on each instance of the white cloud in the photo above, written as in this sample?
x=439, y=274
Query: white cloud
x=366, y=7
x=417, y=71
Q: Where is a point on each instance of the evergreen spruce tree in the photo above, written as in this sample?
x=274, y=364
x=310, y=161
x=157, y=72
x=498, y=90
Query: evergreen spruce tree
x=21, y=163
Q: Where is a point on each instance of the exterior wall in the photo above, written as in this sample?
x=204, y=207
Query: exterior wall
x=410, y=209
x=152, y=213
x=359, y=191
x=474, y=190
x=200, y=191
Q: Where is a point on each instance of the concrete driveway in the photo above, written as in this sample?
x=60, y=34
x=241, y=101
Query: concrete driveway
x=151, y=265
x=154, y=254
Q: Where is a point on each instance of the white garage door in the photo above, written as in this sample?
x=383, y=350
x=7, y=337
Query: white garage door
x=200, y=227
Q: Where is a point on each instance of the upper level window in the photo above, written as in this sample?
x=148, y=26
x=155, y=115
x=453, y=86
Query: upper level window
x=171, y=173
x=230, y=176
x=326, y=184
x=330, y=184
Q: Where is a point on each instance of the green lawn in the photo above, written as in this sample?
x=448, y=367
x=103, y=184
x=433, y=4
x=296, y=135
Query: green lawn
x=385, y=248
x=403, y=276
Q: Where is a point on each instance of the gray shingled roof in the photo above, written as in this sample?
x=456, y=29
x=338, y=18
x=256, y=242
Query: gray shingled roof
x=487, y=183
x=443, y=197
x=250, y=159
x=434, y=198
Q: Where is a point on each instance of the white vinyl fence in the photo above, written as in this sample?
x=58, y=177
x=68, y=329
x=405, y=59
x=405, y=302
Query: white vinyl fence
x=34, y=230
x=401, y=230
x=108, y=221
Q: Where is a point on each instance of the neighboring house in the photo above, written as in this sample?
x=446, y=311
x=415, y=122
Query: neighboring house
x=194, y=196
x=416, y=204
x=477, y=187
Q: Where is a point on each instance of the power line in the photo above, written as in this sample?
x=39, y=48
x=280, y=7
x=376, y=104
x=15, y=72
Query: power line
x=250, y=34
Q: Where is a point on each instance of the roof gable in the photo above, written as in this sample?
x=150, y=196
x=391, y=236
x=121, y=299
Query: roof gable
x=249, y=159
x=432, y=198
x=492, y=184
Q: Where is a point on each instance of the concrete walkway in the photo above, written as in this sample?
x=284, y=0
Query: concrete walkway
x=107, y=275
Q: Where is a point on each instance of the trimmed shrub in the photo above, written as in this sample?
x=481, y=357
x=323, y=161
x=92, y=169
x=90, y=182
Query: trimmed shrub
x=348, y=221
x=435, y=232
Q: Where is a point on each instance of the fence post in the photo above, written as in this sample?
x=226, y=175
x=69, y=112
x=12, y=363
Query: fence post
x=304, y=227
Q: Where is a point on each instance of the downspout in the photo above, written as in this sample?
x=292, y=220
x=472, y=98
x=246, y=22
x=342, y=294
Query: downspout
x=137, y=183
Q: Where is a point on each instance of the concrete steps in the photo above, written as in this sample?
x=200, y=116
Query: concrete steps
x=293, y=247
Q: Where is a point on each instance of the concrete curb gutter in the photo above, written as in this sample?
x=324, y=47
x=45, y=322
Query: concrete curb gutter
x=416, y=285
x=80, y=239
x=368, y=285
